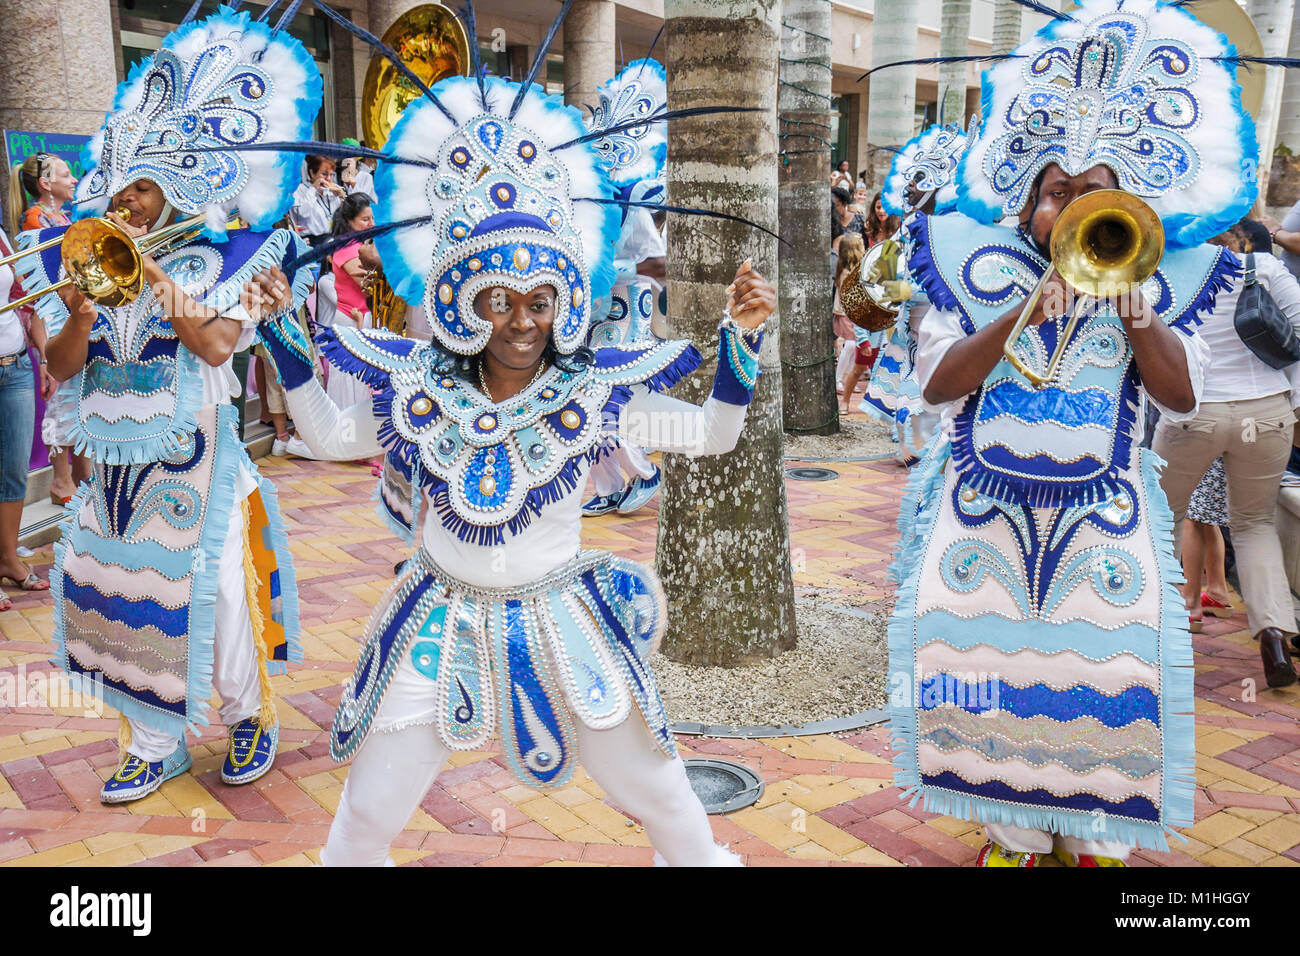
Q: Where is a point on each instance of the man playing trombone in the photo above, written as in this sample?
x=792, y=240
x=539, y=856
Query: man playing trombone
x=1040, y=648
x=173, y=577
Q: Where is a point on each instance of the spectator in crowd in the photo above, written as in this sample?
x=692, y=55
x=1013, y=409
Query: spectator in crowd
x=48, y=181
x=316, y=200
x=1245, y=416
x=880, y=225
x=350, y=266
x=841, y=177
x=17, y=425
x=851, y=250
x=354, y=175
x=1255, y=232
x=1287, y=235
x=862, y=181
x=843, y=218
x=860, y=201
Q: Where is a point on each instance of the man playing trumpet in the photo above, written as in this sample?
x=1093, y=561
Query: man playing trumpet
x=1041, y=649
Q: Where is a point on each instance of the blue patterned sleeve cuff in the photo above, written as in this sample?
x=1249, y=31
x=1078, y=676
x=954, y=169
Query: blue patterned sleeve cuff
x=289, y=348
x=737, y=362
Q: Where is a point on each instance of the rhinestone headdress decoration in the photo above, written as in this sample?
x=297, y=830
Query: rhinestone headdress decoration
x=1135, y=85
x=497, y=204
x=929, y=160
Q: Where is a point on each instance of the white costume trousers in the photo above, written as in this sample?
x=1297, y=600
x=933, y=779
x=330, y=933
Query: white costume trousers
x=234, y=666
x=614, y=471
x=402, y=756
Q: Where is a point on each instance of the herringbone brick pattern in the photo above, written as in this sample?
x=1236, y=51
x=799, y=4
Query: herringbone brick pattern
x=829, y=800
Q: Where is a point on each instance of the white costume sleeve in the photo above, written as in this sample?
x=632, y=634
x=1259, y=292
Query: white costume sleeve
x=659, y=422
x=934, y=337
x=331, y=434
x=1198, y=358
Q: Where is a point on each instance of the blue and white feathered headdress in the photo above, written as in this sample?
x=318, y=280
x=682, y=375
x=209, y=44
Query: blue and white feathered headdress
x=930, y=161
x=636, y=154
x=1140, y=86
x=488, y=182
x=184, y=119
x=493, y=170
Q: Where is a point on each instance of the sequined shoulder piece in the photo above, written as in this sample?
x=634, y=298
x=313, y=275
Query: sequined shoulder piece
x=371, y=355
x=490, y=467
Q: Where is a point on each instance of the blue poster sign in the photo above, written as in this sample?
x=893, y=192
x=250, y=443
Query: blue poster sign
x=19, y=144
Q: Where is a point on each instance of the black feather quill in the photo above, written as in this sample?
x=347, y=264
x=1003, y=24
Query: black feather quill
x=540, y=59
x=926, y=60
x=313, y=147
x=335, y=243
x=659, y=117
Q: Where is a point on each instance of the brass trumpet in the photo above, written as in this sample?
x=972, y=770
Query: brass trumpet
x=1104, y=244
x=103, y=260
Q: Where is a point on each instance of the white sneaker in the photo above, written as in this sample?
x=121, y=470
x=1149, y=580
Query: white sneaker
x=296, y=446
x=279, y=447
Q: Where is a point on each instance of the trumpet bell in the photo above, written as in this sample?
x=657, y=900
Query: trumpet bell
x=102, y=262
x=1106, y=242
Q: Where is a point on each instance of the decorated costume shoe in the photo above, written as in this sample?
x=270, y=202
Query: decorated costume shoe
x=137, y=778
x=995, y=854
x=640, y=492
x=601, y=504
x=252, y=751
x=1084, y=859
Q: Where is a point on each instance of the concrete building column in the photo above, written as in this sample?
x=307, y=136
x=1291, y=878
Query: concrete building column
x=57, y=68
x=589, y=56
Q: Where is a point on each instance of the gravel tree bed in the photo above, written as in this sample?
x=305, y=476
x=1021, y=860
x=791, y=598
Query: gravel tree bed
x=857, y=438
x=838, y=669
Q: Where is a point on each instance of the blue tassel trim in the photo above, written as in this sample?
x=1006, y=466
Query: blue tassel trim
x=564, y=482
x=1221, y=278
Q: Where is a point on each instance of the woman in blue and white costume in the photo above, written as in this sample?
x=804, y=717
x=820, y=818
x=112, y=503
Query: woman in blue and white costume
x=1038, y=616
x=922, y=181
x=499, y=622
x=626, y=479
x=173, y=577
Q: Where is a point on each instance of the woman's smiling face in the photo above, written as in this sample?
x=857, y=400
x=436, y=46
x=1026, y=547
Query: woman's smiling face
x=521, y=323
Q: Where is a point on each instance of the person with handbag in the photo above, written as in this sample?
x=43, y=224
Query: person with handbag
x=1247, y=417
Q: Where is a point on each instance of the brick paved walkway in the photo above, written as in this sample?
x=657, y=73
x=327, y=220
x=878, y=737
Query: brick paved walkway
x=828, y=799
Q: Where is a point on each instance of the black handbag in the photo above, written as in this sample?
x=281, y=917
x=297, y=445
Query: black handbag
x=1262, y=326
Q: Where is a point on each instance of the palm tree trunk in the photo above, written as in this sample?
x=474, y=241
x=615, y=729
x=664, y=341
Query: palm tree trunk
x=807, y=336
x=954, y=39
x=724, y=541
x=1006, y=26
x=891, y=113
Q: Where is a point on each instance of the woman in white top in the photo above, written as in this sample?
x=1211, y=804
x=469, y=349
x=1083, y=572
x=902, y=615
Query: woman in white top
x=17, y=422
x=1246, y=415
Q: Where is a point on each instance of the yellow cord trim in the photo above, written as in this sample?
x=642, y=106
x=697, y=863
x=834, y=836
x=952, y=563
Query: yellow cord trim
x=253, y=586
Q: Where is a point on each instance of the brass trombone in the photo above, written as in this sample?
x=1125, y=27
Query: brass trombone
x=104, y=261
x=1104, y=244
